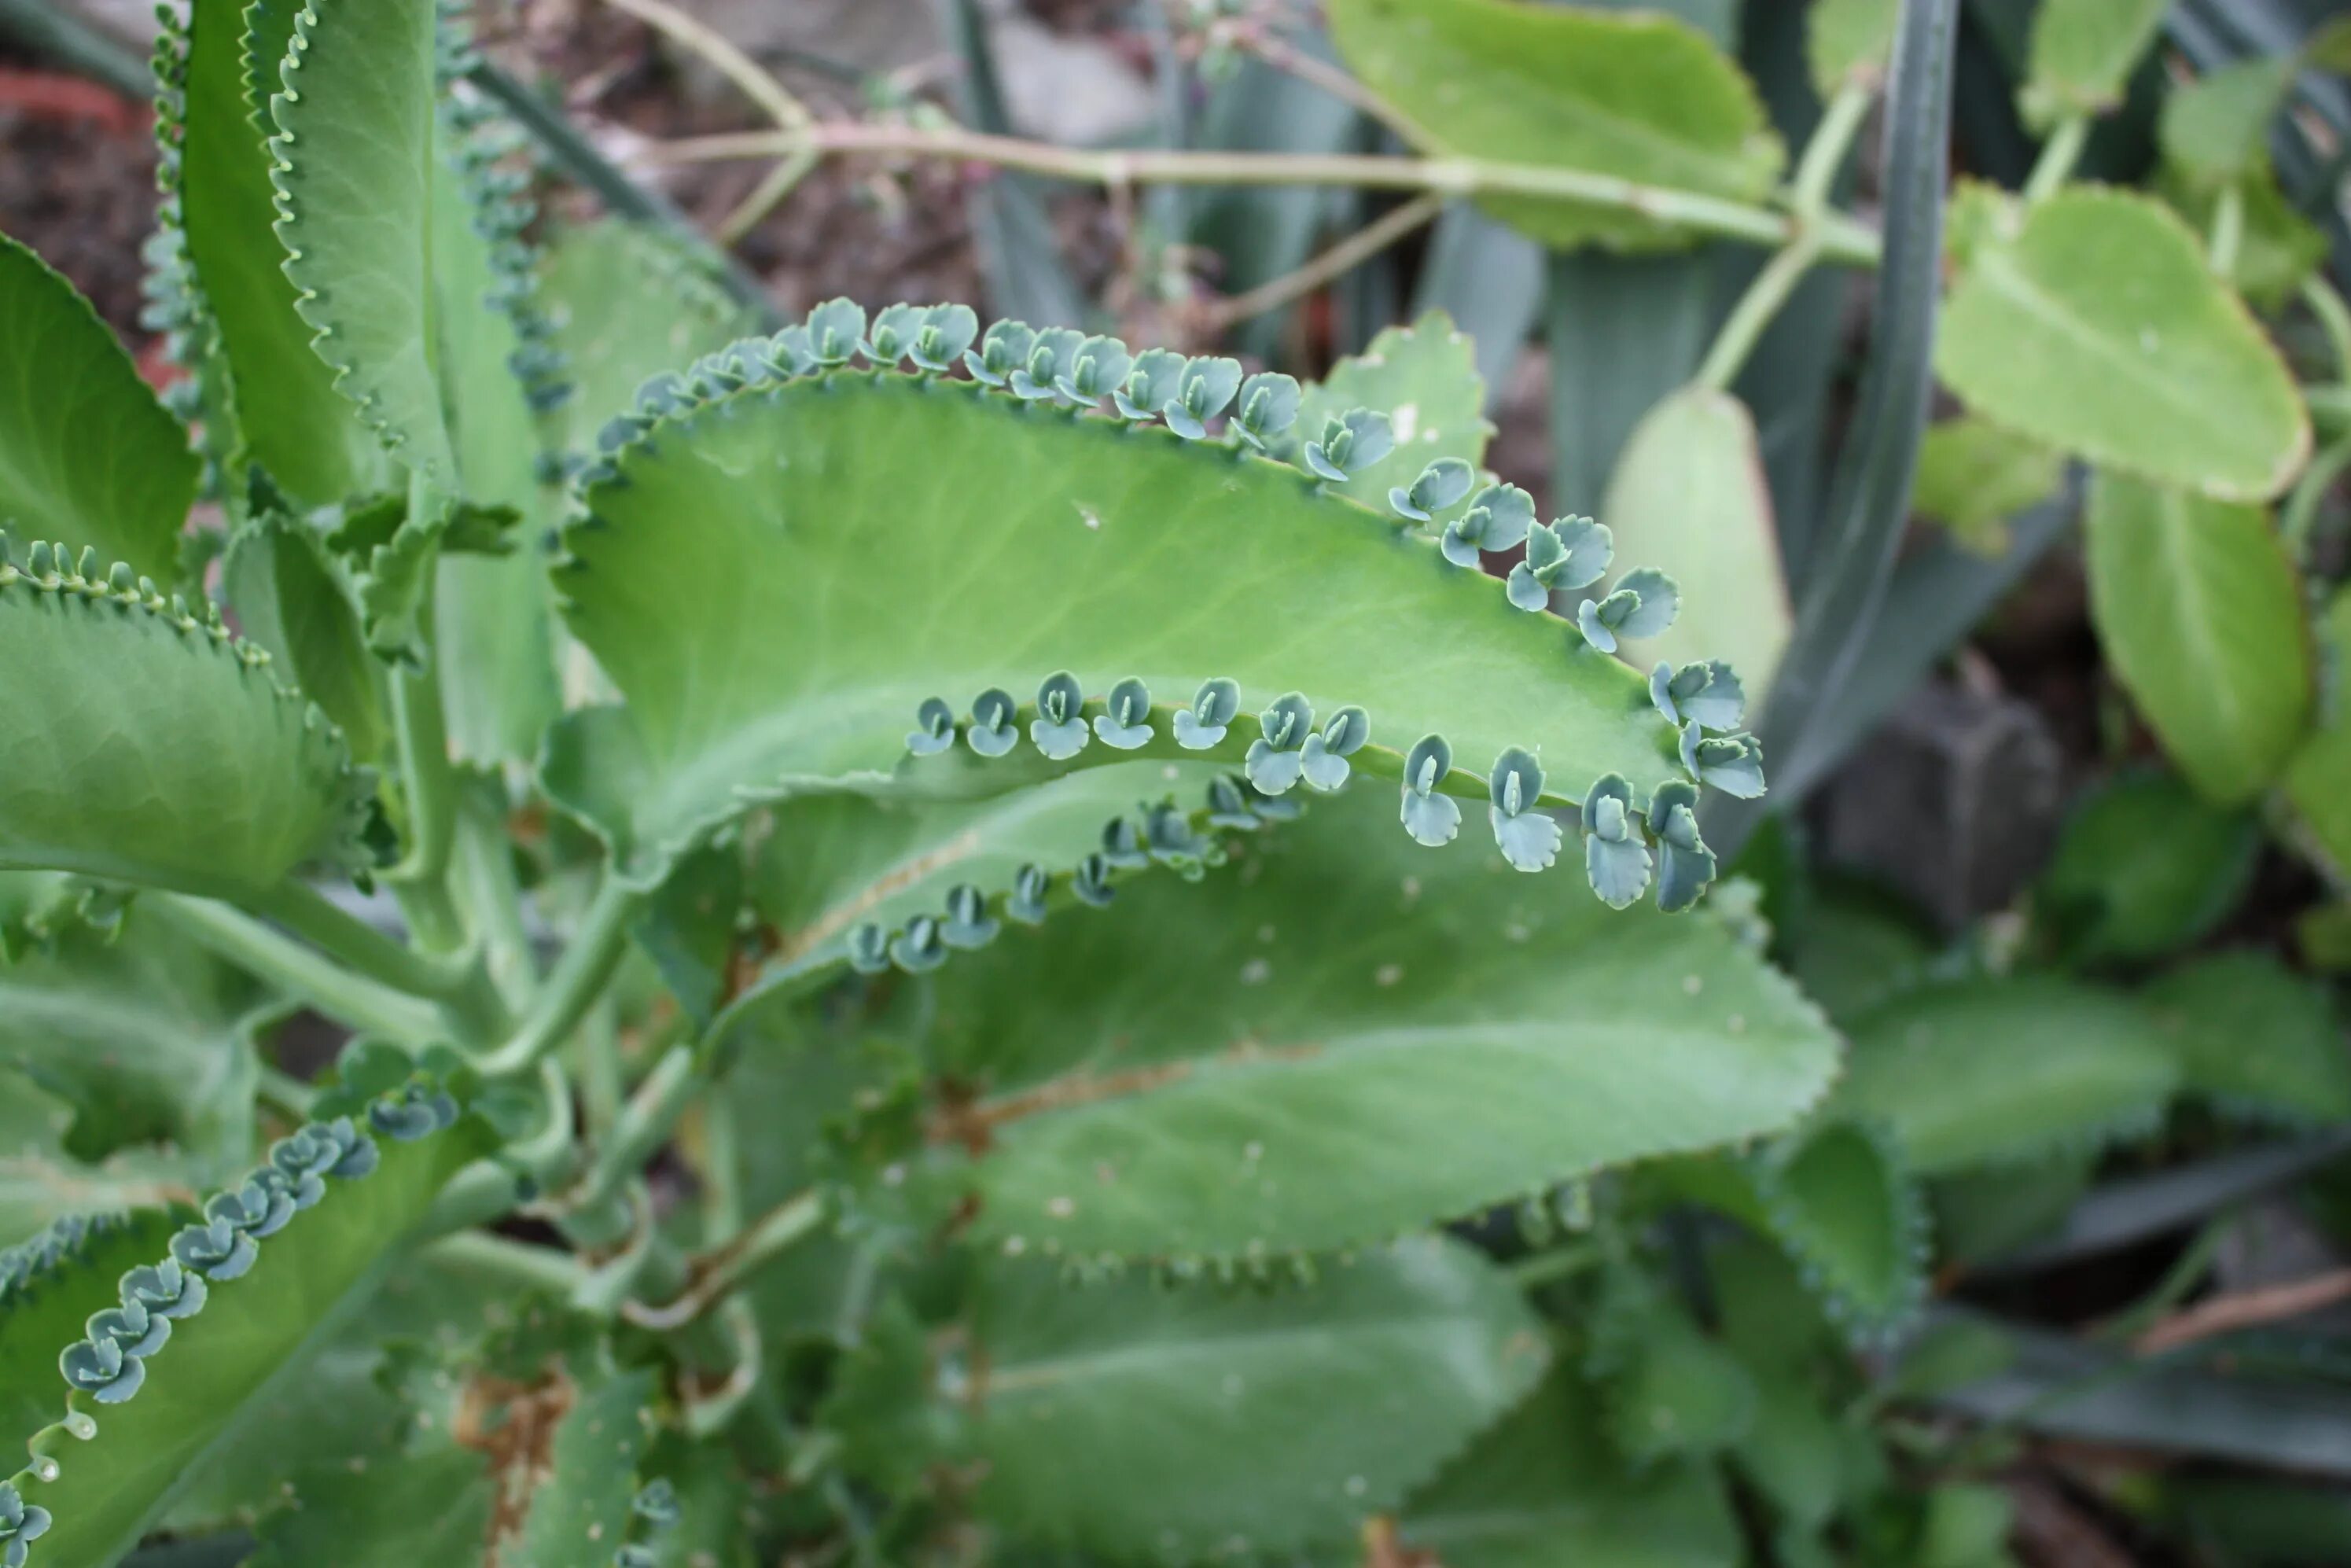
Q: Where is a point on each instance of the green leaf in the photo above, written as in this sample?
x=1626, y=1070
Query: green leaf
x=2143, y=868
x=1689, y=496
x=1982, y=1215
x=150, y=747
x=1425, y=378
x=2319, y=782
x=579, y=1514
x=1638, y=97
x=292, y=598
x=354, y=175
x=288, y=417
x=1342, y=1037
x=88, y=456
x=2199, y=611
x=2215, y=129
x=2083, y=52
x=2277, y=249
x=2001, y=1072
x=1668, y=1391
x=41, y=1184
x=107, y=1469
x=1847, y=42
x=1973, y=475
x=2254, y=1037
x=627, y=305
x=1841, y=1199
x=765, y=651
x=51, y=1283
x=1544, y=1490
x=1853, y=947
x=397, y=1512
x=1145, y=1423
x=2090, y=320
x=147, y=1036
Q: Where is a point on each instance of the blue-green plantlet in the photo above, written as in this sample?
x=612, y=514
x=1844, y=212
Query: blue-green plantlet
x=1278, y=756
x=1202, y=726
x=1566, y=555
x=1126, y=722
x=1052, y=359
x=1003, y=351
x=993, y=730
x=934, y=728
x=1642, y=604
x=1527, y=835
x=836, y=332
x=1498, y=520
x=1441, y=486
x=891, y=337
x=1431, y=818
x=1097, y=369
x=945, y=335
x=1732, y=764
x=1685, y=866
x=1709, y=694
x=1615, y=857
x=1154, y=380
x=1323, y=758
x=1350, y=443
x=1058, y=730
x=1206, y=386
x=1266, y=408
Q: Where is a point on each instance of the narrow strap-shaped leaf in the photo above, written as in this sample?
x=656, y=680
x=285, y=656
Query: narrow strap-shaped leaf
x=726, y=579
x=293, y=598
x=146, y=745
x=354, y=148
x=86, y=454
x=245, y=1296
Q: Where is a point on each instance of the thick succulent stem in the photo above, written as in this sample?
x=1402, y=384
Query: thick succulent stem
x=362, y=1003
x=578, y=979
x=307, y=913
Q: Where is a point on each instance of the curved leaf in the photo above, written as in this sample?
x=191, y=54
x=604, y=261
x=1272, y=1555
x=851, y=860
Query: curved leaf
x=1847, y=41
x=51, y=1283
x=2004, y=1072
x=2319, y=782
x=292, y=598
x=1973, y=475
x=354, y=153
x=2143, y=868
x=1841, y=1200
x=2083, y=52
x=1342, y=1037
x=1689, y=496
x=86, y=454
x=288, y=418
x=2254, y=1037
x=1146, y=1423
x=725, y=582
x=1645, y=97
x=110, y=1466
x=150, y=747
x=2090, y=321
x=2199, y=611
x=1425, y=378
x=626, y=306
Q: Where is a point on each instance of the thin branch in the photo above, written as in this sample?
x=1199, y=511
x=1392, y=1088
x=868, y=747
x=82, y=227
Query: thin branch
x=1842, y=239
x=1342, y=257
x=2248, y=1309
x=718, y=1271
x=773, y=97
x=1319, y=74
x=579, y=977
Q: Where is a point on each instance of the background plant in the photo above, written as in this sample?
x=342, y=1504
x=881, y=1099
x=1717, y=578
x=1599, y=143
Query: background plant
x=904, y=1024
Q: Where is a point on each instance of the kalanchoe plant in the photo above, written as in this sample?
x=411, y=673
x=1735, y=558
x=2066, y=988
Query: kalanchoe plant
x=883, y=1012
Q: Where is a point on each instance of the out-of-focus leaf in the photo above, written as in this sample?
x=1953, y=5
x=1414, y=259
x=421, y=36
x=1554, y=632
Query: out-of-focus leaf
x=2083, y=52
x=2004, y=1212
x=1849, y=41
x=2090, y=320
x=1425, y=378
x=292, y=598
x=1982, y=1072
x=1544, y=1490
x=2197, y=608
x=1027, y=278
x=1843, y=1202
x=41, y=1184
x=626, y=306
x=1642, y=96
x=2215, y=129
x=1489, y=278
x=2319, y=781
x=1688, y=497
x=2277, y=248
x=2143, y=868
x=1853, y=948
x=1623, y=333
x=2254, y=1037
x=1973, y=475
x=2252, y=1521
x=1668, y=1390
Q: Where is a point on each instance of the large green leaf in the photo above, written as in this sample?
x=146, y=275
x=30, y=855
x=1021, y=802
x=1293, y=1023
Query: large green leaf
x=1343, y=1036
x=2319, y=782
x=292, y=598
x=626, y=306
x=1973, y=475
x=1689, y=495
x=1425, y=378
x=2199, y=611
x=1544, y=1490
x=354, y=175
x=2255, y=1037
x=88, y=456
x=145, y=1035
x=2143, y=868
x=2083, y=52
x=288, y=415
x=50, y=1282
x=1640, y=97
x=1147, y=1424
x=1997, y=1071
x=2090, y=321
x=106, y=1469
x=148, y=746
x=724, y=579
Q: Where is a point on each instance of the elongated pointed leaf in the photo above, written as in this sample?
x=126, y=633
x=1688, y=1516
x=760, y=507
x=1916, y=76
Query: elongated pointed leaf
x=2090, y=320
x=726, y=580
x=1343, y=1036
x=1689, y=496
x=88, y=456
x=355, y=143
x=1644, y=98
x=2255, y=1039
x=2199, y=611
x=149, y=747
x=253, y=1329
x=1999, y=1071
x=288, y=418
x=1139, y=1422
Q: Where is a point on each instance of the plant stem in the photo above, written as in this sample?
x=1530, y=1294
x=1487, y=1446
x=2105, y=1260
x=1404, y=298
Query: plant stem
x=2300, y=513
x=1824, y=153
x=484, y=1190
x=361, y=1003
x=1344, y=256
x=344, y=936
x=2228, y=231
x=1842, y=239
x=719, y=1271
x=531, y=1267
x=2058, y=156
x=2334, y=320
x=485, y=872
x=578, y=979
x=643, y=1125
x=1324, y=77
x=288, y=1093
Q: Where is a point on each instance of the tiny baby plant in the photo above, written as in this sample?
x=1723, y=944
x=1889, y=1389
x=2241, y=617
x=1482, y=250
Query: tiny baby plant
x=633, y=936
